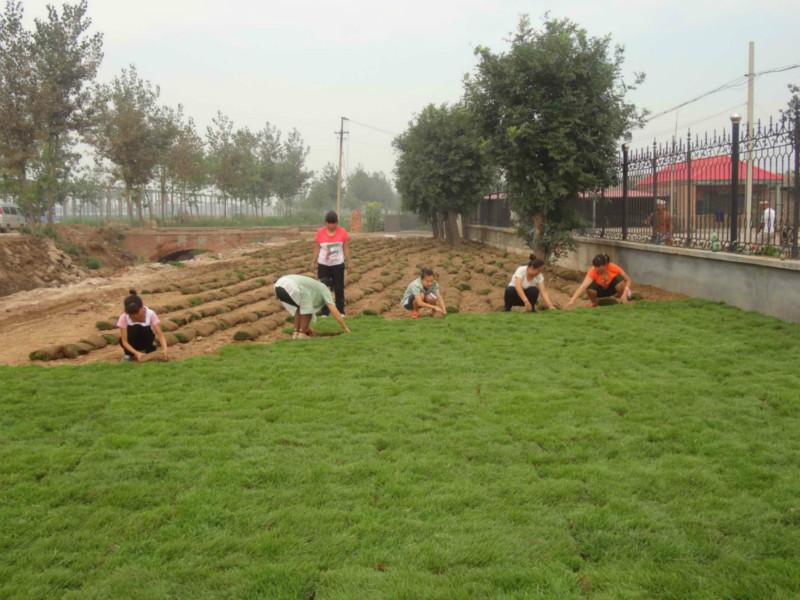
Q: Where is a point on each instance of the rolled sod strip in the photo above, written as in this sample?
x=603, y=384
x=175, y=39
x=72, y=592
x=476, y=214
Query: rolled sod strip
x=105, y=325
x=205, y=328
x=259, y=328
x=84, y=348
x=96, y=341
x=47, y=353
x=71, y=351
x=169, y=325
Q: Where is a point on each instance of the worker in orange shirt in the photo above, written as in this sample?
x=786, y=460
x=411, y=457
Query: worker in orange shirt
x=604, y=280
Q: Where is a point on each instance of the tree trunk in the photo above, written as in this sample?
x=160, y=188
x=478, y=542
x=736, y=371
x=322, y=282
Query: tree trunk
x=129, y=202
x=451, y=228
x=435, y=225
x=163, y=194
x=139, y=206
x=538, y=248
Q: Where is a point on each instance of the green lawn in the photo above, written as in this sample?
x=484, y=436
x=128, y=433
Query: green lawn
x=650, y=451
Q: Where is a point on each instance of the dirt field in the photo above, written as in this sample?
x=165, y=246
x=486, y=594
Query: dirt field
x=214, y=301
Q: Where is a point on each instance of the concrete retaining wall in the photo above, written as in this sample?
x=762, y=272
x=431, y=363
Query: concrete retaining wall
x=499, y=237
x=766, y=285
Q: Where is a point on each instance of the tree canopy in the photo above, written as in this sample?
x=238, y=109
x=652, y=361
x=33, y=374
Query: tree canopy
x=552, y=110
x=441, y=167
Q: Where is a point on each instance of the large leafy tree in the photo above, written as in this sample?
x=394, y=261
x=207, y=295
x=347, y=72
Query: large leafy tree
x=322, y=193
x=222, y=156
x=186, y=162
x=364, y=188
x=66, y=58
x=441, y=167
x=552, y=108
x=269, y=153
x=128, y=133
x=291, y=175
x=18, y=87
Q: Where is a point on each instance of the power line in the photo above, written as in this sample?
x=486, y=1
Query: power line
x=378, y=129
x=695, y=122
x=732, y=84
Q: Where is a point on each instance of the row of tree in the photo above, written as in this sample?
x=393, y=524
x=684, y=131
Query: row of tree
x=55, y=116
x=541, y=120
x=359, y=188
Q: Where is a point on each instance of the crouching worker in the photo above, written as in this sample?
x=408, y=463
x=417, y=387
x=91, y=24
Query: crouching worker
x=527, y=285
x=303, y=297
x=139, y=327
x=424, y=293
x=604, y=280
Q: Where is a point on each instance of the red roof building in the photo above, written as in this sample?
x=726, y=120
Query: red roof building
x=714, y=169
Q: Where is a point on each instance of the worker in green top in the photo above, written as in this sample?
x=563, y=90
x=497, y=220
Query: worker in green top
x=424, y=293
x=303, y=297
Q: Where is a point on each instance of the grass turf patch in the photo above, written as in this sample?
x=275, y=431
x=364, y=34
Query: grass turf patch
x=646, y=451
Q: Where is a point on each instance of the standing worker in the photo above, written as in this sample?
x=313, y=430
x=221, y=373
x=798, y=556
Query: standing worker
x=303, y=297
x=331, y=255
x=766, y=228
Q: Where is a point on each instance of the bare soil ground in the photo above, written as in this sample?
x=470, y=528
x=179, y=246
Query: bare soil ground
x=216, y=300
x=28, y=262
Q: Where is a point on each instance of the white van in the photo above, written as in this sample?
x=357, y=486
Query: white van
x=11, y=217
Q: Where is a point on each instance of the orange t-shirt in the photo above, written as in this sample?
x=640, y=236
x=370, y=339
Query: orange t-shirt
x=613, y=271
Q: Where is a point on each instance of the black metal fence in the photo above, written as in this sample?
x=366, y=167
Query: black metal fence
x=492, y=211
x=736, y=191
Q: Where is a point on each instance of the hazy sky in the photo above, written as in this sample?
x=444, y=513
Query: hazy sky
x=305, y=63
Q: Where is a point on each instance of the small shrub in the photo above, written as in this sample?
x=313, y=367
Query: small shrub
x=452, y=310
x=195, y=301
x=178, y=264
x=104, y=325
x=93, y=263
x=484, y=292
x=368, y=312
x=240, y=276
x=73, y=250
x=182, y=338
x=146, y=292
x=464, y=287
x=111, y=339
x=290, y=319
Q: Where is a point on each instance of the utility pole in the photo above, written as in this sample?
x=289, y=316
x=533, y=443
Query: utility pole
x=341, y=133
x=748, y=189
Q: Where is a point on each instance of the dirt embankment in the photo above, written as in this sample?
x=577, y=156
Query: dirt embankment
x=65, y=255
x=28, y=262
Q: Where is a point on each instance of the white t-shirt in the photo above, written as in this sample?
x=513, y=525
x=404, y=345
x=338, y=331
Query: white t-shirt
x=769, y=220
x=150, y=319
x=522, y=274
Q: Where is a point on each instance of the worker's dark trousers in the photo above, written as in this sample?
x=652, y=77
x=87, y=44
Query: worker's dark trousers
x=512, y=297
